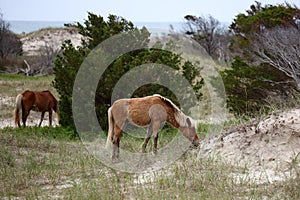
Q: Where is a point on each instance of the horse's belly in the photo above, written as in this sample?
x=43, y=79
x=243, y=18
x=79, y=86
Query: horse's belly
x=139, y=119
x=140, y=123
x=38, y=108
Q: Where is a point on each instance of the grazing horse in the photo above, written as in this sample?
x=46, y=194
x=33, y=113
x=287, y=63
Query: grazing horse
x=147, y=111
x=37, y=101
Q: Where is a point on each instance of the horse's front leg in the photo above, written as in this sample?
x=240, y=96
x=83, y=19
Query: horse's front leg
x=156, y=127
x=155, y=138
x=42, y=118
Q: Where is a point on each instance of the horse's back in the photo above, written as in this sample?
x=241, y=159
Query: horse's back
x=27, y=93
x=137, y=110
x=47, y=95
x=145, y=103
x=46, y=99
x=39, y=101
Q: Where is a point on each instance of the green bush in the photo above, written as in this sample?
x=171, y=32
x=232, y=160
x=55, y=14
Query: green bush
x=96, y=30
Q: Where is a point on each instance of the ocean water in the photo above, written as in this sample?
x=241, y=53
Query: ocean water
x=30, y=26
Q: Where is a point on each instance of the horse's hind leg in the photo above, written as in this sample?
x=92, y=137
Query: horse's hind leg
x=25, y=114
x=116, y=142
x=19, y=124
x=42, y=118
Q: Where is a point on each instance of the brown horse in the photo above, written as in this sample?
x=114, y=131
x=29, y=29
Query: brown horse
x=37, y=101
x=147, y=111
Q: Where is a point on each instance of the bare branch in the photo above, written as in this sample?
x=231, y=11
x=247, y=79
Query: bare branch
x=10, y=44
x=208, y=32
x=280, y=48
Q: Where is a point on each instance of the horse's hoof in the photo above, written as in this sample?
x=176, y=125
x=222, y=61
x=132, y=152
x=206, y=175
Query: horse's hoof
x=116, y=160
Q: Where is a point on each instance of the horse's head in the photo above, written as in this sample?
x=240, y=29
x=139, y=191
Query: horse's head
x=189, y=131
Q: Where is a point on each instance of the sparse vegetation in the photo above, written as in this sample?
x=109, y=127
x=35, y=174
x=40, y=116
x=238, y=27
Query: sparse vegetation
x=42, y=163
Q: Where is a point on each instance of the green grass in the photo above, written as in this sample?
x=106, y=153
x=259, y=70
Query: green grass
x=12, y=84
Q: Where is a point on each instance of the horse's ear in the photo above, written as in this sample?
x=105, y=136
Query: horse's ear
x=188, y=121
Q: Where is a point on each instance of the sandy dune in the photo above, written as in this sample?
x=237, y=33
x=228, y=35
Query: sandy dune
x=53, y=38
x=268, y=150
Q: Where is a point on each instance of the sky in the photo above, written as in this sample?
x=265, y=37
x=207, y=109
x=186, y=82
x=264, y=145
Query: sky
x=133, y=10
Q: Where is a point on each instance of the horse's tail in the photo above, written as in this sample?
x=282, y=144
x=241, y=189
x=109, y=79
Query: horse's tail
x=110, y=128
x=19, y=104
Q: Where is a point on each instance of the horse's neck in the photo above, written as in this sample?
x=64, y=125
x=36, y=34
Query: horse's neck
x=174, y=121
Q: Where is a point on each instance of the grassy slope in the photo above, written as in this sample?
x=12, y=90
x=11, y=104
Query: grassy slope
x=44, y=163
x=11, y=85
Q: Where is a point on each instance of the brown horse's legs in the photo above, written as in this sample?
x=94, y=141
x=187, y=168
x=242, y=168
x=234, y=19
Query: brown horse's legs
x=149, y=133
x=42, y=118
x=116, y=149
x=24, y=116
x=156, y=127
x=50, y=117
x=19, y=124
x=116, y=142
x=155, y=137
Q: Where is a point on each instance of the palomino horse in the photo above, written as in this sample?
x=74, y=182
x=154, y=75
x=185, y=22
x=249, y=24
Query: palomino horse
x=37, y=101
x=147, y=111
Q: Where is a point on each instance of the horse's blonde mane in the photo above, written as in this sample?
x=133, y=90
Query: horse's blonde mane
x=179, y=115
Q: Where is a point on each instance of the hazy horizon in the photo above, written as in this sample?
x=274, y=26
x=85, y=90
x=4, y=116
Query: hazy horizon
x=27, y=26
x=133, y=10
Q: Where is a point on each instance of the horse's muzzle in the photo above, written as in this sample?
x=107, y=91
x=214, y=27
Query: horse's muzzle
x=195, y=143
